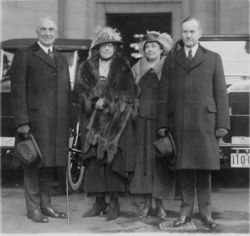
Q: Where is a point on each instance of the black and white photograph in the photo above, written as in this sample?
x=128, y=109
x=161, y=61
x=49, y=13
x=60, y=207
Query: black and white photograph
x=125, y=117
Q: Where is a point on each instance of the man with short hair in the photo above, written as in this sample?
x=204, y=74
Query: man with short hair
x=194, y=106
x=40, y=98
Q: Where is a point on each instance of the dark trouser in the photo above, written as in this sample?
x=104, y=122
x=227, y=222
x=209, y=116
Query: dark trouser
x=37, y=187
x=201, y=181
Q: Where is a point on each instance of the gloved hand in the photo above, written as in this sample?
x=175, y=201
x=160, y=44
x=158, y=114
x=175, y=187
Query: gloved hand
x=23, y=130
x=221, y=132
x=161, y=132
x=99, y=104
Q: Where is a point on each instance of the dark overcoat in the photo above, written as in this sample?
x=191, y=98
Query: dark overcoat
x=108, y=157
x=152, y=174
x=197, y=105
x=40, y=97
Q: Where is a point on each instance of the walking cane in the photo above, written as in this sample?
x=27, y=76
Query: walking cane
x=67, y=196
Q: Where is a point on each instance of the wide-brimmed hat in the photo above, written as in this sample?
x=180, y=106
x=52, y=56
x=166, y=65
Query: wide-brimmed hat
x=105, y=35
x=164, y=39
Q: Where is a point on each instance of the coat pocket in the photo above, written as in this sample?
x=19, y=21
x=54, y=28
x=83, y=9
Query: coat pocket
x=34, y=106
x=211, y=108
x=171, y=109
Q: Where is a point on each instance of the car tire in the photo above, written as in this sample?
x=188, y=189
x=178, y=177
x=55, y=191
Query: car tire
x=75, y=170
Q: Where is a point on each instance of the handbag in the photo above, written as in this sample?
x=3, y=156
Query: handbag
x=28, y=151
x=165, y=146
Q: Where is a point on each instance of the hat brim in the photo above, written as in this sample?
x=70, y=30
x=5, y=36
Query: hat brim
x=109, y=41
x=152, y=41
x=36, y=145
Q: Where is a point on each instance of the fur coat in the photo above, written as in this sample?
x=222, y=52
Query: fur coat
x=103, y=128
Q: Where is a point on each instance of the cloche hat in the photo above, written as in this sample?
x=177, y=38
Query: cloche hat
x=164, y=39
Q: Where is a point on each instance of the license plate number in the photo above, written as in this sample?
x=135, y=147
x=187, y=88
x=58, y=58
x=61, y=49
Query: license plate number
x=240, y=160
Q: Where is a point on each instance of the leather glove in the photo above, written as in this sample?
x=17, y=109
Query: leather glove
x=23, y=130
x=221, y=132
x=161, y=132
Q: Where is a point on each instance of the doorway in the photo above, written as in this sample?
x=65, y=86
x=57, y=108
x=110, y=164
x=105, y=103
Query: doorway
x=130, y=24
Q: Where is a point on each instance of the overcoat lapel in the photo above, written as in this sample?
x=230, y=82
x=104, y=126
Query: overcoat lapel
x=37, y=51
x=142, y=67
x=181, y=58
x=58, y=60
x=198, y=59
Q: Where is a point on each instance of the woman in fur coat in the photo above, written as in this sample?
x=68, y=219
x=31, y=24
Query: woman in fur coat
x=105, y=91
x=151, y=178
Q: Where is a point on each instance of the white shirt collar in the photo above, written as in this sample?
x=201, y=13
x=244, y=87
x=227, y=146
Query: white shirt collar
x=44, y=48
x=194, y=50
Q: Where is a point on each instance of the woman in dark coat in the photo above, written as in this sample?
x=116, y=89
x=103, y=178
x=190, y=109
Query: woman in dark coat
x=105, y=92
x=151, y=176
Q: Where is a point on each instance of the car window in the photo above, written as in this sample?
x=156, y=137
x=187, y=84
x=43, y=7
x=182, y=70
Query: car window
x=6, y=60
x=239, y=104
x=239, y=95
x=235, y=57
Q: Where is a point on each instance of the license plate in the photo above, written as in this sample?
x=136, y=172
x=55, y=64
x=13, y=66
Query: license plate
x=7, y=141
x=240, y=140
x=240, y=160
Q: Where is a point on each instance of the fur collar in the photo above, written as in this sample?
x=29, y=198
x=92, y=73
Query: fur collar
x=115, y=65
x=119, y=68
x=142, y=67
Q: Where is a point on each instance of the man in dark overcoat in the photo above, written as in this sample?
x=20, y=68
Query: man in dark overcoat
x=197, y=113
x=40, y=99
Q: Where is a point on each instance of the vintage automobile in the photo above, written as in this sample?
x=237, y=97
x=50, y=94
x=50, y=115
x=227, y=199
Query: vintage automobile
x=234, y=147
x=235, y=53
x=75, y=50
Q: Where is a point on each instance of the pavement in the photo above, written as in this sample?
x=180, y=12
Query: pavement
x=230, y=212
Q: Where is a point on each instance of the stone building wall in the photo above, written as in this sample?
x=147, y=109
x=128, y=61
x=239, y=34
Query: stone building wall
x=78, y=18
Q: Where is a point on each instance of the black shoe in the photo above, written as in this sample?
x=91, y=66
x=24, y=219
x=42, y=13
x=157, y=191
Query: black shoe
x=113, y=211
x=144, y=212
x=161, y=213
x=37, y=216
x=209, y=223
x=98, y=208
x=182, y=221
x=49, y=211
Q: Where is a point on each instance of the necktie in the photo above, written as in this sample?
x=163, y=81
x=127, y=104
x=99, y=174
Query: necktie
x=51, y=54
x=190, y=56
